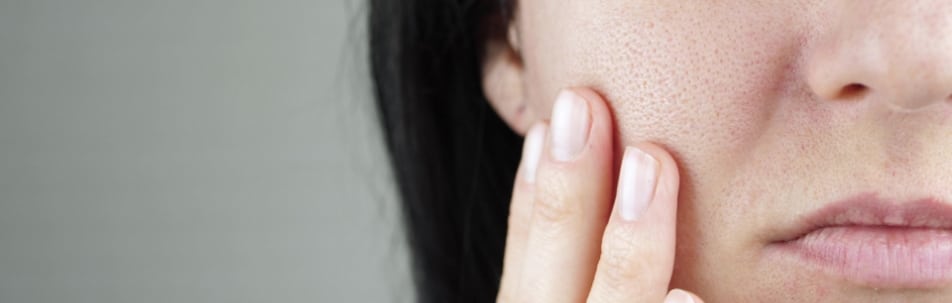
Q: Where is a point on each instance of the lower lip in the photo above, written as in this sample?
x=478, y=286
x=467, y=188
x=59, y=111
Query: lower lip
x=880, y=257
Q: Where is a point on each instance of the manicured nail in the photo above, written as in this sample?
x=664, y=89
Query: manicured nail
x=571, y=120
x=636, y=184
x=678, y=296
x=532, y=151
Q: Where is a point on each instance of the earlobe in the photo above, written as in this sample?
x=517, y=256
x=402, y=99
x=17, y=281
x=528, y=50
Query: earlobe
x=503, y=82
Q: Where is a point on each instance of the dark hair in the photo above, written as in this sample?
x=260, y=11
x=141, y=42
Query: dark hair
x=454, y=160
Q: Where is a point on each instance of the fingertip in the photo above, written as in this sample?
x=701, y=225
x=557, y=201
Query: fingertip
x=682, y=296
x=603, y=122
x=636, y=183
x=579, y=138
x=587, y=94
x=669, y=178
x=532, y=152
x=648, y=176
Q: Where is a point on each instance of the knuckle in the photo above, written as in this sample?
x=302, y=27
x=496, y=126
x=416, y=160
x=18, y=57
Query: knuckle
x=556, y=206
x=621, y=266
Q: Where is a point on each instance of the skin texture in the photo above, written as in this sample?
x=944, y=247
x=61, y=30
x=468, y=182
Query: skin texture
x=772, y=109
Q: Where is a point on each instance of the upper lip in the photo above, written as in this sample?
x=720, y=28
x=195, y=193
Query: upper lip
x=869, y=210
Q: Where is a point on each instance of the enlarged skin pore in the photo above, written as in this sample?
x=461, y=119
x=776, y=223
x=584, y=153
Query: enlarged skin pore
x=773, y=109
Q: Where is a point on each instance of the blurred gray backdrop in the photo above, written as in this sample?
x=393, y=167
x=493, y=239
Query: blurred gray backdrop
x=192, y=151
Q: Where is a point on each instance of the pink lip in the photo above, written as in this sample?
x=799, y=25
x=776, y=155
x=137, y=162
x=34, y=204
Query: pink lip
x=877, y=243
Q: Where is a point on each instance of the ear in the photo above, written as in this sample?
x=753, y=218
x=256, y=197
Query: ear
x=503, y=80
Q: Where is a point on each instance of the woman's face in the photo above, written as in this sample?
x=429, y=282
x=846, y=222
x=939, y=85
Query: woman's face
x=774, y=110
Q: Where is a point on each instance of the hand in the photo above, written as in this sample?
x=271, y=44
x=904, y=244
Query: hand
x=566, y=241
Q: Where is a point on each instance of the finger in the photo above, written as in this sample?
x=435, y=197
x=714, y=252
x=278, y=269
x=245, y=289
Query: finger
x=638, y=244
x=520, y=211
x=572, y=201
x=682, y=296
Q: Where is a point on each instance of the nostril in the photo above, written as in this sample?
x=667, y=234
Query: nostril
x=853, y=91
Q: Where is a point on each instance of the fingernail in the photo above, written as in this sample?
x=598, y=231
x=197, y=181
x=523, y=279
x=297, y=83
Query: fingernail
x=636, y=185
x=678, y=296
x=532, y=151
x=571, y=120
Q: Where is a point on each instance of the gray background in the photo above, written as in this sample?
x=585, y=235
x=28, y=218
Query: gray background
x=192, y=151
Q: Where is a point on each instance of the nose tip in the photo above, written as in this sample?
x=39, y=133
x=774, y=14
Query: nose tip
x=898, y=57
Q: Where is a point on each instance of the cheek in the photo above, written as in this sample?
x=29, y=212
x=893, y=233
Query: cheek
x=699, y=79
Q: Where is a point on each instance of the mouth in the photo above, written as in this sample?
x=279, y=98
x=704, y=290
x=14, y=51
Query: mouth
x=876, y=243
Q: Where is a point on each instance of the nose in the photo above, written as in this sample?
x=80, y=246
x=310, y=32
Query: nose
x=898, y=53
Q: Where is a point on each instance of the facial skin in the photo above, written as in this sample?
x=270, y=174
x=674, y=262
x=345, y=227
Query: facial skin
x=773, y=109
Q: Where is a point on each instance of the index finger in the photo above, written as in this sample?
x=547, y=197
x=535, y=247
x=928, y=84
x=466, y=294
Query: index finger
x=637, y=255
